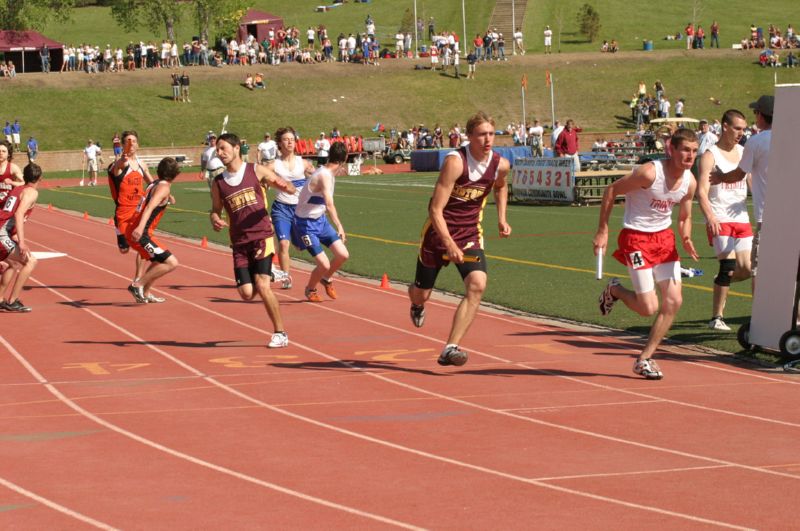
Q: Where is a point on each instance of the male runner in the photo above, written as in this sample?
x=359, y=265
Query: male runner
x=755, y=161
x=725, y=209
x=10, y=174
x=453, y=231
x=240, y=190
x=647, y=243
x=294, y=169
x=125, y=181
x=148, y=214
x=16, y=207
x=312, y=229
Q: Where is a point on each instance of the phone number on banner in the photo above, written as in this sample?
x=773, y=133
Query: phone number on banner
x=544, y=180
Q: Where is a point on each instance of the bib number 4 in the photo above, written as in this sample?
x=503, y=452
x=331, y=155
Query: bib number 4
x=636, y=259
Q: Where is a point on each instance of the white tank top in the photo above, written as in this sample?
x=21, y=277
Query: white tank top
x=728, y=200
x=297, y=175
x=311, y=205
x=650, y=209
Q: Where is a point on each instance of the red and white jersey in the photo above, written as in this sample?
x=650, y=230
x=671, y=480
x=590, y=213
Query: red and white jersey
x=729, y=200
x=650, y=209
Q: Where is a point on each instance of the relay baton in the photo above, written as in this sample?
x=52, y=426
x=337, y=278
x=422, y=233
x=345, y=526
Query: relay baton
x=599, y=266
x=467, y=258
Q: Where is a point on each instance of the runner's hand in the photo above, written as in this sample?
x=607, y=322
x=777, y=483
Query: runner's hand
x=218, y=223
x=689, y=248
x=505, y=230
x=456, y=255
x=600, y=241
x=715, y=226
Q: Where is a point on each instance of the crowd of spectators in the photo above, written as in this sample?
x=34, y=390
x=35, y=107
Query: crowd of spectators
x=775, y=39
x=7, y=69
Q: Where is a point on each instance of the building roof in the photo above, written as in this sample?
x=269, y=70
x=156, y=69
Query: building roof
x=254, y=16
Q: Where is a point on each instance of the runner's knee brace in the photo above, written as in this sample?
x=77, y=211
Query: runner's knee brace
x=726, y=268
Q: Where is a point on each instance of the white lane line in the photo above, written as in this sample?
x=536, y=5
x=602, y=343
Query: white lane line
x=176, y=453
x=429, y=393
x=53, y=505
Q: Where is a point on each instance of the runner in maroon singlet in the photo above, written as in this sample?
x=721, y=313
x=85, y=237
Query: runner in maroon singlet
x=453, y=230
x=16, y=207
x=10, y=174
x=241, y=191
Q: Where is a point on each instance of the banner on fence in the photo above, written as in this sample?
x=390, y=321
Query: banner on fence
x=541, y=179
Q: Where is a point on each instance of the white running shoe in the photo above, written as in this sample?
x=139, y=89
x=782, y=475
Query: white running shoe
x=278, y=275
x=278, y=340
x=153, y=299
x=718, y=324
x=607, y=300
x=648, y=368
x=287, y=282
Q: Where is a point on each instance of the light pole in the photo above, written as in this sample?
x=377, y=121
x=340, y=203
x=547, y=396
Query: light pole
x=464, y=25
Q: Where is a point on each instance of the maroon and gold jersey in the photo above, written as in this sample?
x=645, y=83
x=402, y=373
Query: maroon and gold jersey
x=246, y=206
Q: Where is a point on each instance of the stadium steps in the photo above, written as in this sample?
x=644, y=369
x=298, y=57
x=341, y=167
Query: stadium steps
x=503, y=21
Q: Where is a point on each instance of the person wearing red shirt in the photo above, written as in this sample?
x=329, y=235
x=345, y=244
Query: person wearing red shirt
x=567, y=144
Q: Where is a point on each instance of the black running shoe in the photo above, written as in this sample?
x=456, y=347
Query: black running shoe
x=16, y=306
x=417, y=315
x=452, y=356
x=122, y=243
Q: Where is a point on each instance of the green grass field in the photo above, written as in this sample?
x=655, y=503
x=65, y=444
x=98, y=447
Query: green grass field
x=546, y=267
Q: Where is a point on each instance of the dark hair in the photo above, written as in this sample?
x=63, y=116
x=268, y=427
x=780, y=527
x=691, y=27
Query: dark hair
x=338, y=153
x=682, y=135
x=283, y=130
x=31, y=173
x=168, y=169
x=126, y=134
x=230, y=138
x=767, y=118
x=730, y=114
x=9, y=147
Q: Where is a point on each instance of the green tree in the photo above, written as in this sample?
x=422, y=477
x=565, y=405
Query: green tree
x=589, y=22
x=221, y=15
x=32, y=14
x=153, y=14
x=407, y=23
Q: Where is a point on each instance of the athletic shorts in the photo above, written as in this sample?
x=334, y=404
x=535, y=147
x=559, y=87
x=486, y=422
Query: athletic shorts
x=149, y=249
x=7, y=245
x=16, y=138
x=92, y=164
x=312, y=234
x=283, y=220
x=733, y=237
x=252, y=258
x=432, y=250
x=643, y=250
x=425, y=277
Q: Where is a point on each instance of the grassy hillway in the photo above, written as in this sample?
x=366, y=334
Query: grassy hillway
x=63, y=110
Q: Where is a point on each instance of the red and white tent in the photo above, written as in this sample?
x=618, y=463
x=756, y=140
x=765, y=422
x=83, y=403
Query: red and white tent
x=23, y=48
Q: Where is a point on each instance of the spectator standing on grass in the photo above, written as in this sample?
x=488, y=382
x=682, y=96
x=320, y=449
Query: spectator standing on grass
x=7, y=133
x=16, y=133
x=646, y=245
x=176, y=86
x=689, y=31
x=241, y=191
x=518, y=44
x=91, y=154
x=184, y=79
x=536, y=135
x=431, y=29
x=44, y=56
x=714, y=34
x=267, y=150
x=453, y=234
x=548, y=40
x=557, y=128
x=699, y=37
x=679, y=108
x=322, y=147
x=116, y=144
x=567, y=144
x=33, y=149
x=472, y=61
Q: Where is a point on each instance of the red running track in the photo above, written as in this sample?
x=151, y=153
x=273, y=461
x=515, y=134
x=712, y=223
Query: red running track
x=117, y=415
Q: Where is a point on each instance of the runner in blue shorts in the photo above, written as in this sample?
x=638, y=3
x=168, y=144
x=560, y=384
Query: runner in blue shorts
x=312, y=229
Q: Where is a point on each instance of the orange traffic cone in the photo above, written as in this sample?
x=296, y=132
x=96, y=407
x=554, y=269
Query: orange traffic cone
x=50, y=206
x=385, y=282
x=110, y=221
x=204, y=243
x=275, y=259
x=85, y=215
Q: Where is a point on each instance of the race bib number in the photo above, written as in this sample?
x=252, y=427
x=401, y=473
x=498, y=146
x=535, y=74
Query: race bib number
x=636, y=259
x=307, y=240
x=10, y=202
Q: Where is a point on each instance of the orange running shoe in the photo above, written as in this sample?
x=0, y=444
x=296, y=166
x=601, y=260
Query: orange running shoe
x=313, y=295
x=329, y=289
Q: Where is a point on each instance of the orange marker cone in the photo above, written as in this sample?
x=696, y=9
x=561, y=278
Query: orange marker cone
x=50, y=206
x=275, y=259
x=204, y=243
x=85, y=215
x=385, y=282
x=110, y=221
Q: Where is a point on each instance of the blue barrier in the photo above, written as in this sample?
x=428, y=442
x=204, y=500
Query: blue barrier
x=432, y=159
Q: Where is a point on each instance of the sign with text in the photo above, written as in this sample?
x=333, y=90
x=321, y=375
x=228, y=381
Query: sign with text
x=544, y=179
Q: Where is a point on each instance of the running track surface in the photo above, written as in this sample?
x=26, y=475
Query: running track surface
x=117, y=415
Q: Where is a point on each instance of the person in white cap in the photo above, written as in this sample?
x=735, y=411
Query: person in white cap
x=323, y=146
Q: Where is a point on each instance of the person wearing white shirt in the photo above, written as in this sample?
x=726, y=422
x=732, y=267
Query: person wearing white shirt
x=91, y=154
x=518, y=46
x=267, y=150
x=536, y=135
x=323, y=146
x=548, y=39
x=557, y=128
x=706, y=138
